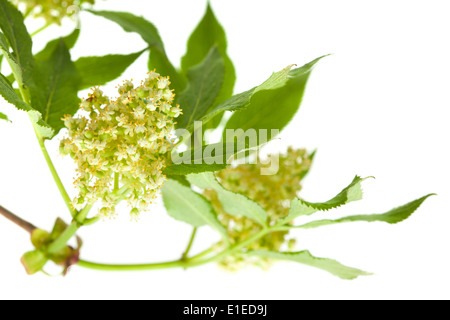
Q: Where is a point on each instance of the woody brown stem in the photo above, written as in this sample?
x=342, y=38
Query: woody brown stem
x=18, y=221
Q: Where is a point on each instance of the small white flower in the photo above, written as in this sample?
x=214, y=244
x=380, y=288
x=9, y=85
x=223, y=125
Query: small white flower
x=116, y=167
x=131, y=150
x=135, y=157
x=122, y=119
x=161, y=123
x=163, y=149
x=129, y=130
x=163, y=83
x=139, y=113
x=151, y=106
x=106, y=115
x=168, y=95
x=94, y=161
x=158, y=95
x=140, y=129
x=175, y=112
x=99, y=146
x=153, y=75
x=86, y=106
x=121, y=154
x=165, y=107
x=97, y=93
x=145, y=143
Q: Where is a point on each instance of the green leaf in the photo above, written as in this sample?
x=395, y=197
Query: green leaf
x=305, y=257
x=204, y=84
x=274, y=109
x=212, y=157
x=392, y=217
x=4, y=46
x=208, y=34
x=8, y=93
x=233, y=203
x=242, y=100
x=57, y=88
x=132, y=23
x=353, y=192
x=185, y=169
x=3, y=117
x=149, y=33
x=96, y=71
x=34, y=261
x=17, y=37
x=69, y=40
x=180, y=179
x=185, y=205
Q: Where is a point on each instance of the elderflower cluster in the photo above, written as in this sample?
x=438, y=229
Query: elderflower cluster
x=53, y=11
x=273, y=192
x=122, y=146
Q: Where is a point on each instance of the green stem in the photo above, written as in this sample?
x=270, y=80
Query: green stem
x=236, y=247
x=61, y=242
x=28, y=12
x=82, y=216
x=137, y=267
x=205, y=253
x=41, y=29
x=26, y=99
x=55, y=175
x=78, y=222
x=116, y=181
x=191, y=242
x=188, y=263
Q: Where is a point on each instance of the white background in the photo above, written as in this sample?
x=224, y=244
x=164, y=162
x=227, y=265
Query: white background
x=379, y=106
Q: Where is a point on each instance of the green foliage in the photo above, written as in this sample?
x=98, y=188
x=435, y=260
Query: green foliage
x=69, y=40
x=204, y=85
x=392, y=217
x=274, y=109
x=253, y=218
x=97, y=71
x=212, y=157
x=8, y=93
x=15, y=44
x=352, y=192
x=305, y=257
x=3, y=117
x=242, y=100
x=208, y=34
x=149, y=33
x=234, y=203
x=185, y=205
x=56, y=90
x=19, y=41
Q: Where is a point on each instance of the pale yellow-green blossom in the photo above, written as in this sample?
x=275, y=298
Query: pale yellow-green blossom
x=122, y=146
x=271, y=192
x=53, y=11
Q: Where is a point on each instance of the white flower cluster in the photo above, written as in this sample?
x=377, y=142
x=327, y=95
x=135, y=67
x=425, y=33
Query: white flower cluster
x=53, y=11
x=122, y=147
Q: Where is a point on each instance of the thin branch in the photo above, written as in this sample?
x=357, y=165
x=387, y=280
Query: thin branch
x=191, y=242
x=18, y=221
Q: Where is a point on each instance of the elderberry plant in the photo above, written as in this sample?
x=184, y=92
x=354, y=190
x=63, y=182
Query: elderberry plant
x=149, y=139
